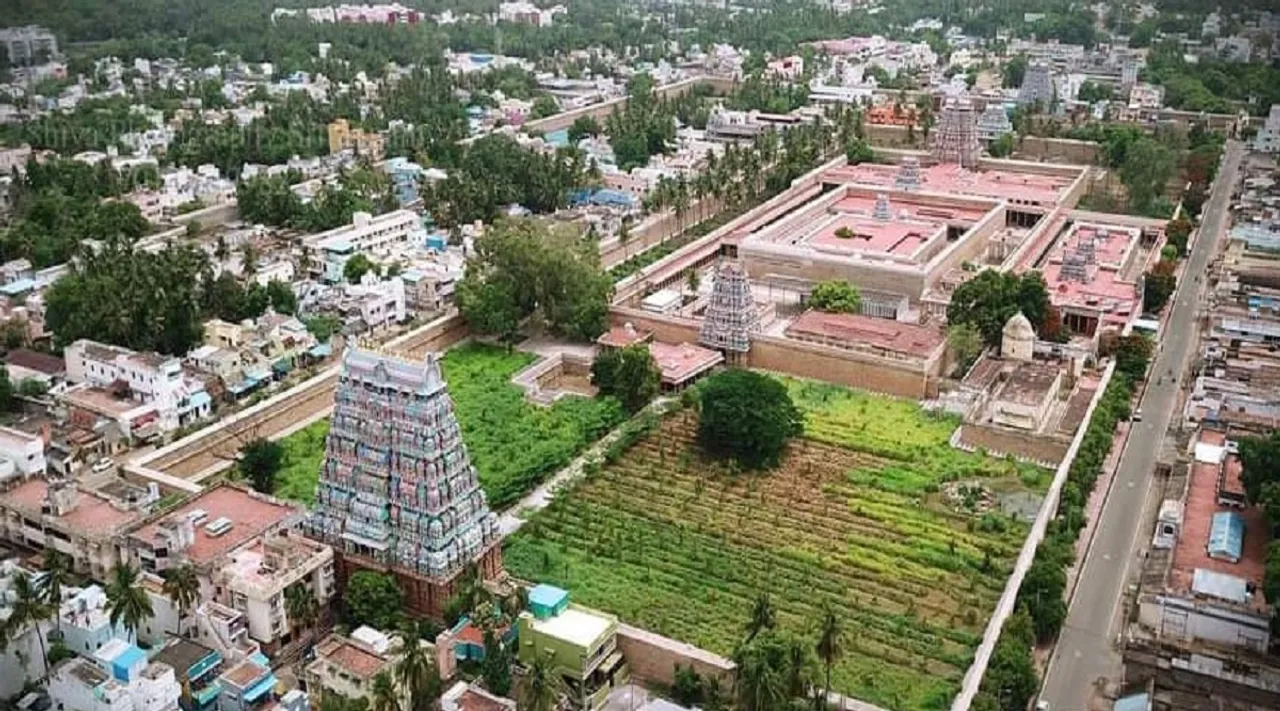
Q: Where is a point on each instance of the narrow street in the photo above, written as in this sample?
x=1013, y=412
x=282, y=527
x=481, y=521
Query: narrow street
x=1086, y=650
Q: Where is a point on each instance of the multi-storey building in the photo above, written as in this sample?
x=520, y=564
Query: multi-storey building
x=28, y=45
x=240, y=544
x=39, y=512
x=1268, y=138
x=369, y=234
x=347, y=665
x=581, y=643
x=342, y=137
x=397, y=489
x=117, y=677
x=197, y=668
x=153, y=383
x=21, y=453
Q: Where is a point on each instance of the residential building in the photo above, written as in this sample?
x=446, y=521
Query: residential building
x=1268, y=138
x=85, y=624
x=117, y=677
x=250, y=685
x=28, y=45
x=581, y=643
x=469, y=697
x=369, y=235
x=154, y=383
x=347, y=665
x=528, y=14
x=383, y=405
x=342, y=137
x=240, y=544
x=197, y=668
x=51, y=512
x=21, y=453
x=21, y=659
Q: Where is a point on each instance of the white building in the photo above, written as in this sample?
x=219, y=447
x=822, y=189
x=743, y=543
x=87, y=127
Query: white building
x=258, y=575
x=1268, y=138
x=86, y=626
x=149, y=378
x=117, y=678
x=528, y=13
x=27, y=45
x=370, y=234
x=21, y=453
x=20, y=659
x=380, y=302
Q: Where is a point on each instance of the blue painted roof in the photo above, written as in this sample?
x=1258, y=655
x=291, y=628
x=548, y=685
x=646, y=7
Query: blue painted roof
x=200, y=399
x=547, y=596
x=321, y=350
x=1137, y=702
x=20, y=286
x=262, y=687
x=1226, y=536
x=558, y=139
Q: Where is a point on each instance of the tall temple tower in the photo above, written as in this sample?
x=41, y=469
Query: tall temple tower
x=1037, y=85
x=397, y=491
x=731, y=316
x=955, y=140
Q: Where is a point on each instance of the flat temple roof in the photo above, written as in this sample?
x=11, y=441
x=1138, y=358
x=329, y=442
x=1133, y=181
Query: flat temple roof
x=1037, y=188
x=854, y=329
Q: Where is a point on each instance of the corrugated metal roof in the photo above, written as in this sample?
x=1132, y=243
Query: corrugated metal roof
x=1226, y=536
x=1220, y=585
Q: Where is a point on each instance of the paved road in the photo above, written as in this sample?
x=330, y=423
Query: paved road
x=1085, y=651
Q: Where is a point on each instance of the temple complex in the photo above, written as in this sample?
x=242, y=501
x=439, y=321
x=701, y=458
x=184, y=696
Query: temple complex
x=397, y=491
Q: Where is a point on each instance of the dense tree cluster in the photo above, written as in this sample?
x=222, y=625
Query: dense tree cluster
x=1212, y=85
x=495, y=171
x=59, y=204
x=644, y=127
x=835, y=297
x=270, y=200
x=93, y=125
x=521, y=269
x=747, y=417
x=771, y=95
x=990, y=299
x=629, y=374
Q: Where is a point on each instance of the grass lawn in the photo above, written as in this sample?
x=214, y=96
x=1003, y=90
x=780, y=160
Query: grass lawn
x=853, y=516
x=513, y=443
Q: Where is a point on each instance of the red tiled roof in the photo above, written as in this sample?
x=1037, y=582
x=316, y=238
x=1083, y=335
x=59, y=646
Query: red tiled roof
x=679, y=363
x=623, y=336
x=34, y=360
x=471, y=700
x=908, y=338
x=251, y=515
x=361, y=662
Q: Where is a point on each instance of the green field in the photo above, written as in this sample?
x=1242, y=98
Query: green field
x=513, y=443
x=854, y=516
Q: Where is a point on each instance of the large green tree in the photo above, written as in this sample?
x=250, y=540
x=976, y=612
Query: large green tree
x=990, y=299
x=746, y=416
x=521, y=268
x=836, y=297
x=128, y=604
x=629, y=374
x=373, y=599
x=260, y=461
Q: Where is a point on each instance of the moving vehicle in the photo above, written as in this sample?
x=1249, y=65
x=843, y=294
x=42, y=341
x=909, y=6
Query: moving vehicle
x=102, y=465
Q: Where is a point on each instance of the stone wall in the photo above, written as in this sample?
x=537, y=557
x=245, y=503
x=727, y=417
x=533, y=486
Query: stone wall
x=652, y=658
x=1057, y=149
x=1023, y=445
x=670, y=329
x=808, y=360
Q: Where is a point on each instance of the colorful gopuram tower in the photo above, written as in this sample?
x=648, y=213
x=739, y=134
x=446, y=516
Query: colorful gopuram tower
x=397, y=491
x=731, y=317
x=955, y=140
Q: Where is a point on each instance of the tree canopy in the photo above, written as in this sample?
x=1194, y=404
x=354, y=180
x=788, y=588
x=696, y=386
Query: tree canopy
x=521, y=268
x=839, y=297
x=990, y=299
x=373, y=599
x=629, y=374
x=747, y=417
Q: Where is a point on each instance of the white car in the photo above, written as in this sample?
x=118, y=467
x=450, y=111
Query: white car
x=1137, y=415
x=102, y=465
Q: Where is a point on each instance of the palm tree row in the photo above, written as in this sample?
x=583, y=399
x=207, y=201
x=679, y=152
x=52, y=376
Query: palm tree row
x=774, y=667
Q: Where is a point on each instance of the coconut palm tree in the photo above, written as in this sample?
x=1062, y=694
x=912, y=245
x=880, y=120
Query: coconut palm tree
x=182, y=586
x=28, y=608
x=416, y=672
x=762, y=617
x=760, y=684
x=541, y=685
x=55, y=576
x=301, y=606
x=127, y=603
x=385, y=694
x=830, y=646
